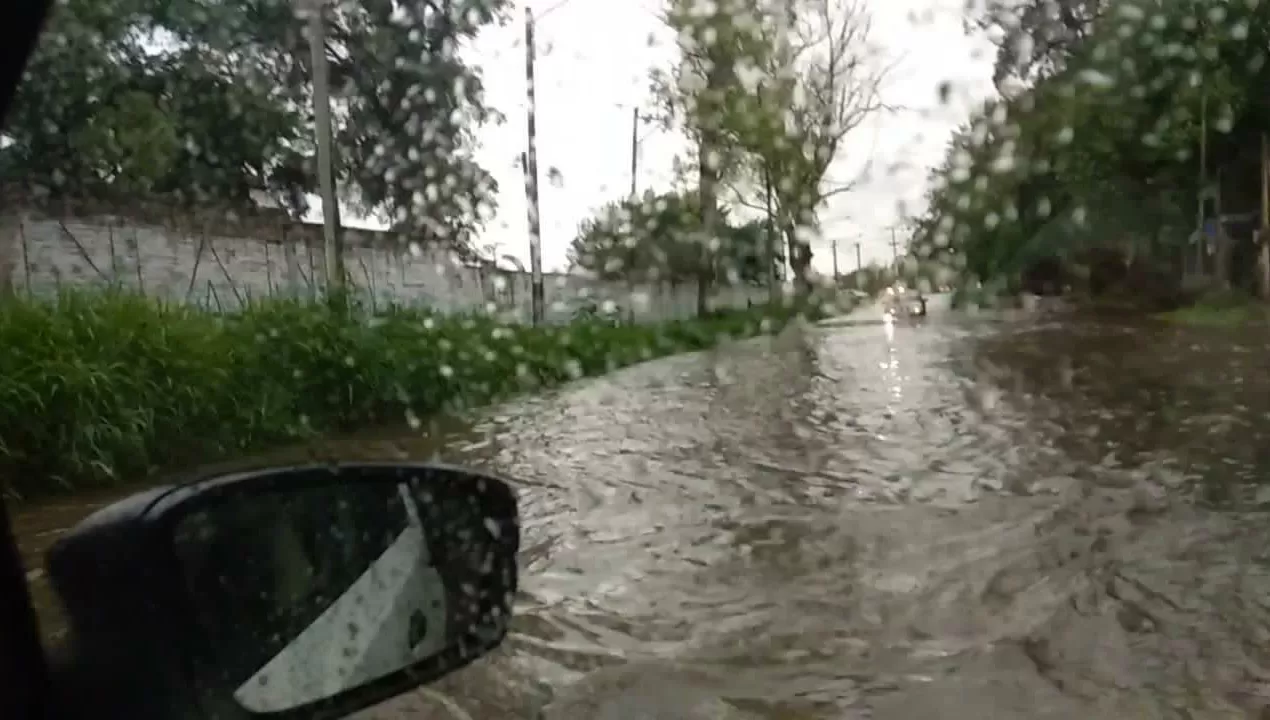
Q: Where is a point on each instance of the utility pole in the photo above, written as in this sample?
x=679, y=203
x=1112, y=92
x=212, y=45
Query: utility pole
x=773, y=292
x=835, y=262
x=634, y=149
x=895, y=257
x=530, y=164
x=334, y=250
x=858, y=264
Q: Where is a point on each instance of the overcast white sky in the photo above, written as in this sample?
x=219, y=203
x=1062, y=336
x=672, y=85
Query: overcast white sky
x=594, y=58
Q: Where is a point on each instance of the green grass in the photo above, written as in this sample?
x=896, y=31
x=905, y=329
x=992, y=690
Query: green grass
x=1219, y=309
x=103, y=389
x=1200, y=316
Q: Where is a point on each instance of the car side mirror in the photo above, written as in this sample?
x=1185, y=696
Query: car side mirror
x=293, y=593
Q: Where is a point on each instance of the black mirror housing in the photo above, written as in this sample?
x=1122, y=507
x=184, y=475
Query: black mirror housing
x=292, y=593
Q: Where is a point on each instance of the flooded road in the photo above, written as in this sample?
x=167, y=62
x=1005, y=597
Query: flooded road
x=963, y=517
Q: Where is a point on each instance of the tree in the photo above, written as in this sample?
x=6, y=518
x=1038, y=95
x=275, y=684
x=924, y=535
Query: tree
x=650, y=239
x=824, y=80
x=150, y=105
x=209, y=101
x=719, y=43
x=1101, y=150
x=655, y=239
x=1036, y=36
x=799, y=82
x=413, y=106
x=745, y=255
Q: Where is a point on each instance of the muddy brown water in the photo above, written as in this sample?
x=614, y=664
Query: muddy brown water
x=1007, y=517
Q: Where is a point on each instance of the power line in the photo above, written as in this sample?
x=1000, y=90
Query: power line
x=515, y=43
x=561, y=3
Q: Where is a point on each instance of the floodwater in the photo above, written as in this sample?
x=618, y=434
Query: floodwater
x=1006, y=516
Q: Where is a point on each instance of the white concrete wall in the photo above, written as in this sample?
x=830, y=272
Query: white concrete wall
x=222, y=265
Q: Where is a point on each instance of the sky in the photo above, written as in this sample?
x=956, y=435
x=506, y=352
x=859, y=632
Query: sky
x=592, y=69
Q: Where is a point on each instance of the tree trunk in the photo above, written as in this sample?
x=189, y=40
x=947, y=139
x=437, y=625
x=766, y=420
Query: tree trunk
x=708, y=181
x=1222, y=271
x=709, y=214
x=718, y=77
x=799, y=261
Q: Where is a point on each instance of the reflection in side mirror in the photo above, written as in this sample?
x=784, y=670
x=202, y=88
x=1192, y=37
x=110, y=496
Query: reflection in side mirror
x=304, y=592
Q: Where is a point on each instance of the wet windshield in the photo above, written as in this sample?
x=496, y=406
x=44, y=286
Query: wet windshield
x=852, y=358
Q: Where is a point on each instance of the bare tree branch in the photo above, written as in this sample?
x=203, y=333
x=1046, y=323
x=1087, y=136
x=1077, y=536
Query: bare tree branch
x=828, y=192
x=836, y=90
x=744, y=197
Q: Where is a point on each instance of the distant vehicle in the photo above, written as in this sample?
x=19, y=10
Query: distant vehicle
x=899, y=301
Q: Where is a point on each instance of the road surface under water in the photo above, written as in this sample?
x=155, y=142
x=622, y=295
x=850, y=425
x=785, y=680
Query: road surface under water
x=1006, y=517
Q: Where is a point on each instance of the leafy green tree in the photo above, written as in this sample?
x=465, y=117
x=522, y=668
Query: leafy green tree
x=132, y=95
x=746, y=254
x=715, y=42
x=1101, y=147
x=413, y=107
x=1036, y=36
x=132, y=142
x=657, y=238
x=210, y=101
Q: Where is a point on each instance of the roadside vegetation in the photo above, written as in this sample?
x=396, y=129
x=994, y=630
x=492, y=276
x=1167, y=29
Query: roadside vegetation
x=1220, y=310
x=97, y=390
x=1120, y=127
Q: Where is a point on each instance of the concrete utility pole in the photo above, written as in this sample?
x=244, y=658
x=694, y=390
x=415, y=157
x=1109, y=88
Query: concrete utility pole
x=634, y=150
x=859, y=265
x=332, y=243
x=835, y=262
x=530, y=163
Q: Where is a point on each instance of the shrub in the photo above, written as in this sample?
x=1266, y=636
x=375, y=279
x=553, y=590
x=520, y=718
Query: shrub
x=99, y=389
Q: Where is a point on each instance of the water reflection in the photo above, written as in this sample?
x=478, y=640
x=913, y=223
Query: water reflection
x=892, y=366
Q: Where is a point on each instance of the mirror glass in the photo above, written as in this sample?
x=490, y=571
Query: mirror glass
x=302, y=594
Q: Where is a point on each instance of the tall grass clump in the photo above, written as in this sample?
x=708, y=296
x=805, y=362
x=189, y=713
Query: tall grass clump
x=102, y=389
